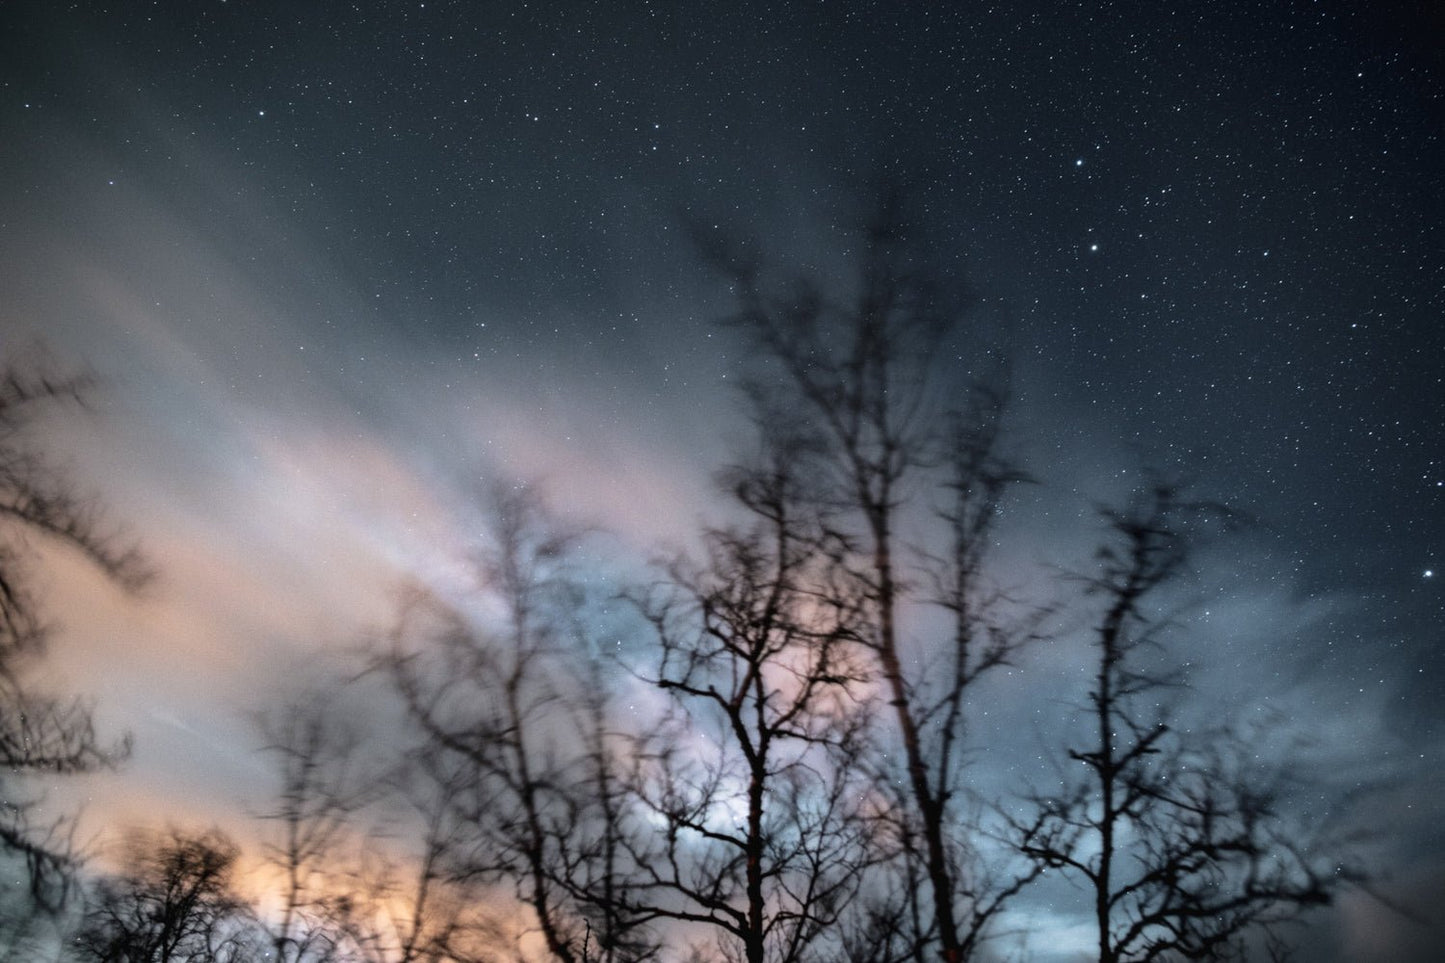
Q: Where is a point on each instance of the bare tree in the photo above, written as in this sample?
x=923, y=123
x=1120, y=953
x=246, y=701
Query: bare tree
x=489, y=692
x=598, y=864
x=1181, y=845
x=864, y=371
x=412, y=897
x=173, y=903
x=323, y=787
x=753, y=786
x=41, y=732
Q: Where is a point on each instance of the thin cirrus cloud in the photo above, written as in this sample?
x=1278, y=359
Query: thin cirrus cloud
x=280, y=512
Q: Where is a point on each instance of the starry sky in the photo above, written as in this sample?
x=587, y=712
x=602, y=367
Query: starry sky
x=332, y=262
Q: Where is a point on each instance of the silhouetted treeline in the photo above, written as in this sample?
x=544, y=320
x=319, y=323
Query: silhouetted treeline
x=763, y=751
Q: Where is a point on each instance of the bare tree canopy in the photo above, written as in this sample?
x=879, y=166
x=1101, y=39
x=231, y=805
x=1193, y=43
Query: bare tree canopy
x=172, y=903
x=755, y=781
x=1179, y=840
x=516, y=737
x=41, y=732
x=898, y=435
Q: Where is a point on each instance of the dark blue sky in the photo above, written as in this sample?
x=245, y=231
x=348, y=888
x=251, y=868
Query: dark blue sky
x=451, y=233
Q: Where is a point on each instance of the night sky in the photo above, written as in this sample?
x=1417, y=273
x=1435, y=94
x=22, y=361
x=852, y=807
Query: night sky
x=333, y=262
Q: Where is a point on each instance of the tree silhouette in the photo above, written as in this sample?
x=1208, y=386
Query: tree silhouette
x=531, y=784
x=323, y=786
x=1180, y=845
x=173, y=903
x=754, y=784
x=413, y=896
x=864, y=374
x=41, y=732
